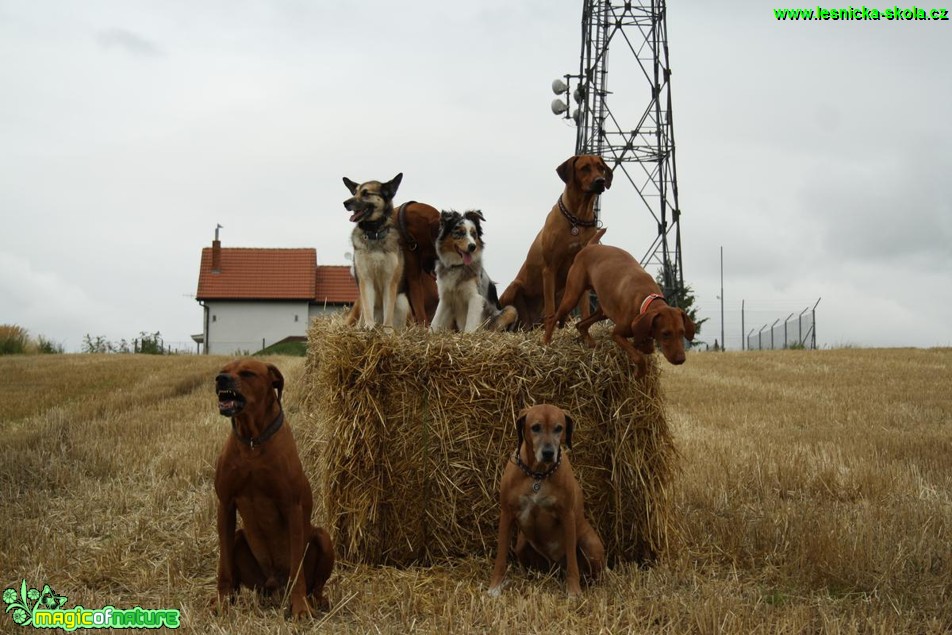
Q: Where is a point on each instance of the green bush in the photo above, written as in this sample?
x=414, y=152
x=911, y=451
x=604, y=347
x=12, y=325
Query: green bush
x=14, y=340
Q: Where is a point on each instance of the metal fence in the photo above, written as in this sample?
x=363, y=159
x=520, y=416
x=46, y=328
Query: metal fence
x=797, y=330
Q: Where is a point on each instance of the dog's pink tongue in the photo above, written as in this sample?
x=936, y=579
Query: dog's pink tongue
x=467, y=258
x=354, y=216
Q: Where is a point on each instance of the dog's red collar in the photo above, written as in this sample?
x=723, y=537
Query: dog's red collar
x=264, y=436
x=651, y=298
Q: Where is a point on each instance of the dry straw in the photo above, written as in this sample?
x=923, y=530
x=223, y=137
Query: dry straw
x=411, y=432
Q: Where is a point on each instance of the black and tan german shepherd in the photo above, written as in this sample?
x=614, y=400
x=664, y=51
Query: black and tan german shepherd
x=394, y=255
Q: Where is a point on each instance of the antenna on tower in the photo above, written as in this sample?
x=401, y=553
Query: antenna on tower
x=637, y=141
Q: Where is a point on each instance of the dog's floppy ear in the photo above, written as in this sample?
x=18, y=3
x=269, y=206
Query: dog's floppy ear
x=351, y=185
x=566, y=171
x=569, y=429
x=389, y=189
x=474, y=215
x=642, y=326
x=277, y=379
x=689, y=327
x=608, y=175
x=521, y=426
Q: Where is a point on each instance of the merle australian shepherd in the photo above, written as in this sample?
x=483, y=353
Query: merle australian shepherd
x=468, y=298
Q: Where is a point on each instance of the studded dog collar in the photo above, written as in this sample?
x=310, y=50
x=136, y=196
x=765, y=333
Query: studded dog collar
x=375, y=230
x=538, y=477
x=575, y=220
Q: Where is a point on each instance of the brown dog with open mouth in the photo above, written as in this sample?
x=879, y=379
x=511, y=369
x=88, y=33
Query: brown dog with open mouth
x=259, y=476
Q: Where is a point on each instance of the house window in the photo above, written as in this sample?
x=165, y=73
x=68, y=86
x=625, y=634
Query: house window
x=295, y=318
x=214, y=318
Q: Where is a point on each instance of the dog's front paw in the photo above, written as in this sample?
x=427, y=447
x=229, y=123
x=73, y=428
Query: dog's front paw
x=300, y=610
x=496, y=590
x=218, y=605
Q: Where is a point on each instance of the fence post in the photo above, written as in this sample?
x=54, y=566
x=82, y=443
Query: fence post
x=772, y=329
x=813, y=342
x=800, y=326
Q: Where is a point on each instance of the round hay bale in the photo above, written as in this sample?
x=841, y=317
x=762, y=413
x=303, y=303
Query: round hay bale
x=412, y=430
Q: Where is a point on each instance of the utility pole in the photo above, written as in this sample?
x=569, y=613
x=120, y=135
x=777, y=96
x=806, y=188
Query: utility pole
x=723, y=341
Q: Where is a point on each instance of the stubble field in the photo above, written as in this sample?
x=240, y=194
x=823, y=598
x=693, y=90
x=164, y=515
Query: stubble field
x=815, y=495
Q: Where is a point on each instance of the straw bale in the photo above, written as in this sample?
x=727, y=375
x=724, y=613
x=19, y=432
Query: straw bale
x=412, y=431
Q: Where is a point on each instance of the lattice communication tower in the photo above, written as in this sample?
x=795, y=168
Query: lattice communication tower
x=636, y=140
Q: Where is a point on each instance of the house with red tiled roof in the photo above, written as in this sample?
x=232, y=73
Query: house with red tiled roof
x=253, y=298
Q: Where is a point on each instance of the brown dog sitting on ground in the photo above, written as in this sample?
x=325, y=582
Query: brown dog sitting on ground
x=629, y=297
x=259, y=476
x=569, y=226
x=539, y=493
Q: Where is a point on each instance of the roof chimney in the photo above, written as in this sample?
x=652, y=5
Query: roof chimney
x=216, y=252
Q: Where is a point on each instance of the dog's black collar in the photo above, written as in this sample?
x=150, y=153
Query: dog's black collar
x=264, y=436
x=375, y=230
x=538, y=477
x=575, y=220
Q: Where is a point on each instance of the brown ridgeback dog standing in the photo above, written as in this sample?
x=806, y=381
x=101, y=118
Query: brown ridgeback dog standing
x=539, y=492
x=629, y=297
x=259, y=475
x=569, y=226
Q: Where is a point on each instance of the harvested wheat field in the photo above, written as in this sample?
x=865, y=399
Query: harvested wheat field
x=814, y=495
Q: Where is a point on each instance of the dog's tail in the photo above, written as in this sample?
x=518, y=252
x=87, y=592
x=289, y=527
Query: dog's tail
x=596, y=237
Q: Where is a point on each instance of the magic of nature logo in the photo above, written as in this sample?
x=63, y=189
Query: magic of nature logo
x=44, y=609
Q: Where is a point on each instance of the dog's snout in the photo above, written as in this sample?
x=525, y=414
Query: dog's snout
x=548, y=454
x=221, y=379
x=471, y=248
x=349, y=205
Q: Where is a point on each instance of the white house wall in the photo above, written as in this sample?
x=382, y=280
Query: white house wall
x=247, y=327
x=321, y=310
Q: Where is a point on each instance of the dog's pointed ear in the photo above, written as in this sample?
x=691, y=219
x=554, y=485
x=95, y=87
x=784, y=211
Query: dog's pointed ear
x=608, y=175
x=351, y=185
x=569, y=429
x=566, y=171
x=389, y=189
x=446, y=216
x=521, y=426
x=689, y=327
x=277, y=379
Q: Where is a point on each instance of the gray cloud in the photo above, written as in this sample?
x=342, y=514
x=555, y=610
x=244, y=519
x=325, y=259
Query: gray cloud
x=129, y=42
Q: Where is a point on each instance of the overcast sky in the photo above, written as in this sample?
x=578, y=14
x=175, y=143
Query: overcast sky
x=816, y=153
